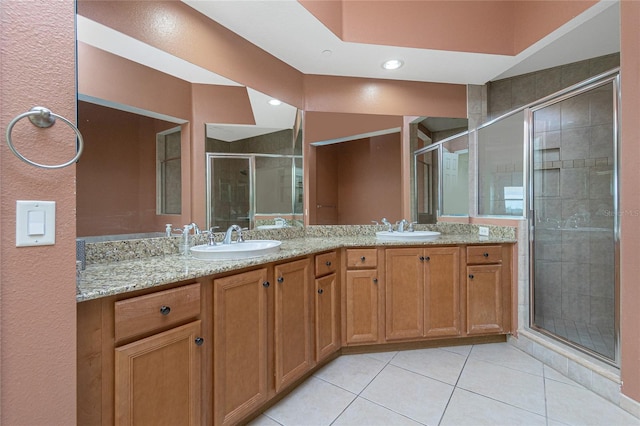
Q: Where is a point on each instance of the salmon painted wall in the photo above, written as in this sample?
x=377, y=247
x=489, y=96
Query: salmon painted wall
x=498, y=27
x=384, y=97
x=37, y=284
x=630, y=197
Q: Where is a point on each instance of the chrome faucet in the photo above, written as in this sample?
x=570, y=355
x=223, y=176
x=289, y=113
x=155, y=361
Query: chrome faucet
x=196, y=230
x=227, y=235
x=401, y=224
x=386, y=222
x=211, y=235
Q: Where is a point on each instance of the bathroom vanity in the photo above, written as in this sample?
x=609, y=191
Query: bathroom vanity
x=168, y=338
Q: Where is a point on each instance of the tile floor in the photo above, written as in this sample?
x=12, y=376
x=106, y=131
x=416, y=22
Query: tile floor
x=489, y=384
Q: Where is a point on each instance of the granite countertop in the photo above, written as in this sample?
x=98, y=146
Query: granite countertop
x=117, y=277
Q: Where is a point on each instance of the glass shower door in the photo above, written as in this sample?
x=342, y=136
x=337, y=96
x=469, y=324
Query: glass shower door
x=229, y=191
x=574, y=198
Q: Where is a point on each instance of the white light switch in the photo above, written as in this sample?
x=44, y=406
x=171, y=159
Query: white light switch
x=35, y=223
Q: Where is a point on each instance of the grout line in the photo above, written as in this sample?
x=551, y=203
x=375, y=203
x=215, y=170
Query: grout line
x=365, y=386
x=455, y=386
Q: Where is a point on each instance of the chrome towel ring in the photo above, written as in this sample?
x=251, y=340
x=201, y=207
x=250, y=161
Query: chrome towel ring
x=42, y=117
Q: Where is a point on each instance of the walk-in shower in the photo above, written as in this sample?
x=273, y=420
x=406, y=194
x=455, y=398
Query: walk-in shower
x=574, y=211
x=554, y=162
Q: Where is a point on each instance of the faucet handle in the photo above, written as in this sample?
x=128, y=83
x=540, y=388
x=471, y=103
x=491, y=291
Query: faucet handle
x=410, y=228
x=211, y=235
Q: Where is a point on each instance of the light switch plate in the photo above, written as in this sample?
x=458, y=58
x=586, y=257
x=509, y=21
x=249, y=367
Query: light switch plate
x=35, y=223
x=483, y=231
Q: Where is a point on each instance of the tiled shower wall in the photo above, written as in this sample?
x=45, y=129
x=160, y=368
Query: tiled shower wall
x=510, y=93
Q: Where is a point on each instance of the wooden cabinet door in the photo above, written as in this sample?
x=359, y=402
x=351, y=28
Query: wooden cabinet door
x=361, y=306
x=292, y=321
x=157, y=379
x=327, y=311
x=404, y=293
x=442, y=292
x=484, y=299
x=240, y=345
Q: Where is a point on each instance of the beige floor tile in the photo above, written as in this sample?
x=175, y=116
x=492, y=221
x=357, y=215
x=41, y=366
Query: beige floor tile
x=435, y=363
x=460, y=350
x=313, y=403
x=366, y=413
x=507, y=355
x=467, y=408
x=514, y=387
x=574, y=405
x=420, y=398
x=382, y=356
x=263, y=420
x=351, y=372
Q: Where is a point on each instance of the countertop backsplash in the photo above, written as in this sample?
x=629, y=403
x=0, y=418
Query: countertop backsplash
x=114, y=251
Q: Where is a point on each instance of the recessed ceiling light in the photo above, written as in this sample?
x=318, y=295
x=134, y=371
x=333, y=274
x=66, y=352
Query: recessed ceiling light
x=392, y=64
x=274, y=102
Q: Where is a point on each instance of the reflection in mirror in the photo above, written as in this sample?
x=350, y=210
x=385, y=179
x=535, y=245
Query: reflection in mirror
x=427, y=166
x=169, y=171
x=455, y=176
x=501, y=166
x=255, y=181
x=440, y=168
x=117, y=181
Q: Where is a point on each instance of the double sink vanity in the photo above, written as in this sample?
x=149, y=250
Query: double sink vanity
x=164, y=337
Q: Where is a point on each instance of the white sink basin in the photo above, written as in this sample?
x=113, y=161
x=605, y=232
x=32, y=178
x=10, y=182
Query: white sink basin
x=234, y=251
x=407, y=236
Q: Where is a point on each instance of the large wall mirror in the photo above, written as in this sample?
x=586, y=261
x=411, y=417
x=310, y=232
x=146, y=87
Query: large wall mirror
x=143, y=151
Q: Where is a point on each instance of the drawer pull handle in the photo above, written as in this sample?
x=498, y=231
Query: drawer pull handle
x=265, y=284
x=320, y=291
x=427, y=258
x=328, y=263
x=421, y=258
x=363, y=258
x=280, y=279
x=486, y=254
x=471, y=276
x=164, y=310
x=199, y=341
x=375, y=281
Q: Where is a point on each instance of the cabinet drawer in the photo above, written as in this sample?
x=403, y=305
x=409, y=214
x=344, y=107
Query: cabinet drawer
x=326, y=263
x=147, y=313
x=362, y=258
x=484, y=254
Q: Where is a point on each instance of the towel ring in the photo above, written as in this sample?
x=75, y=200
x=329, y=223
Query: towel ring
x=43, y=117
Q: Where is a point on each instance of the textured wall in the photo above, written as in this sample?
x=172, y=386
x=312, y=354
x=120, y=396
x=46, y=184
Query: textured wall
x=37, y=284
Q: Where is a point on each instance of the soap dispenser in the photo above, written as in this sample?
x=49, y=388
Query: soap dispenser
x=185, y=245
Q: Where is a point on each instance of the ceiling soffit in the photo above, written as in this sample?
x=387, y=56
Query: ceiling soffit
x=489, y=27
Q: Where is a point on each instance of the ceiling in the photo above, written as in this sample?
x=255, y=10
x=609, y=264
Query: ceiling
x=286, y=30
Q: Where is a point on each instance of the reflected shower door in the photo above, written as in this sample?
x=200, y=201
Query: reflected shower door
x=229, y=197
x=427, y=166
x=574, y=201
